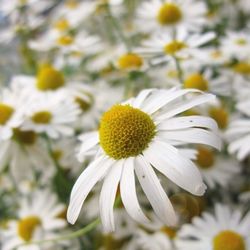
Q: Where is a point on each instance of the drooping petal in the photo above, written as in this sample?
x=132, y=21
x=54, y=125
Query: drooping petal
x=89, y=177
x=128, y=192
x=107, y=196
x=154, y=192
x=166, y=159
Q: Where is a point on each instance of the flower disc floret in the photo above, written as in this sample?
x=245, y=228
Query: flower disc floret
x=169, y=14
x=6, y=112
x=205, y=158
x=125, y=131
x=229, y=240
x=196, y=81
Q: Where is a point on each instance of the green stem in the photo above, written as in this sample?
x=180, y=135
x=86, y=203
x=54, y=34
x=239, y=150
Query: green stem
x=70, y=236
x=118, y=28
x=178, y=67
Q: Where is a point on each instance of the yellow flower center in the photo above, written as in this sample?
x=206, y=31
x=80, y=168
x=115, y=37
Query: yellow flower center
x=174, y=47
x=170, y=232
x=205, y=158
x=65, y=40
x=228, y=240
x=220, y=115
x=71, y=4
x=216, y=54
x=49, y=78
x=130, y=61
x=24, y=137
x=83, y=104
x=57, y=154
x=242, y=68
x=42, y=117
x=196, y=81
x=169, y=14
x=190, y=112
x=125, y=131
x=62, y=24
x=27, y=226
x=6, y=112
x=241, y=41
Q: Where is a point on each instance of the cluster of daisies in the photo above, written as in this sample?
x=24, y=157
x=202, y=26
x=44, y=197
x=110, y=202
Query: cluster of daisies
x=124, y=125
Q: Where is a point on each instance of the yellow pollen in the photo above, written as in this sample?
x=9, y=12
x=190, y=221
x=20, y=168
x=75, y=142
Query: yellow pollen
x=170, y=232
x=42, y=117
x=242, y=68
x=216, y=54
x=24, y=137
x=27, y=226
x=6, y=112
x=65, y=40
x=62, y=24
x=169, y=14
x=83, y=104
x=125, y=131
x=174, y=47
x=130, y=61
x=71, y=4
x=196, y=81
x=241, y=41
x=220, y=115
x=49, y=78
x=228, y=240
x=205, y=158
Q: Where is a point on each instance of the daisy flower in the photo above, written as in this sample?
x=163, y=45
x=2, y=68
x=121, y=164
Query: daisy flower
x=26, y=154
x=168, y=14
x=236, y=44
x=12, y=106
x=183, y=46
x=51, y=114
x=226, y=229
x=215, y=168
x=38, y=219
x=134, y=136
x=238, y=133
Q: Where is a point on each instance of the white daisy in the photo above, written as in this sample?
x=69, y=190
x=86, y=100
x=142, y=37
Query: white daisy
x=238, y=133
x=51, y=114
x=156, y=14
x=236, y=44
x=12, y=106
x=226, y=230
x=26, y=155
x=132, y=137
x=164, y=47
x=215, y=168
x=38, y=219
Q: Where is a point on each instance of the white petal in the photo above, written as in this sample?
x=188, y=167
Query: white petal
x=141, y=97
x=128, y=192
x=196, y=100
x=188, y=122
x=193, y=135
x=107, y=196
x=166, y=159
x=89, y=177
x=154, y=192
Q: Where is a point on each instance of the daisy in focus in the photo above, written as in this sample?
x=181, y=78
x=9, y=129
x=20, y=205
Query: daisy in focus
x=134, y=136
x=225, y=230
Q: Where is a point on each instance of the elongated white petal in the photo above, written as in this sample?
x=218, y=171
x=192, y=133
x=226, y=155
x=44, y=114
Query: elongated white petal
x=195, y=101
x=141, y=97
x=188, y=122
x=194, y=135
x=154, y=192
x=88, y=142
x=128, y=192
x=166, y=159
x=163, y=97
x=89, y=177
x=107, y=196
